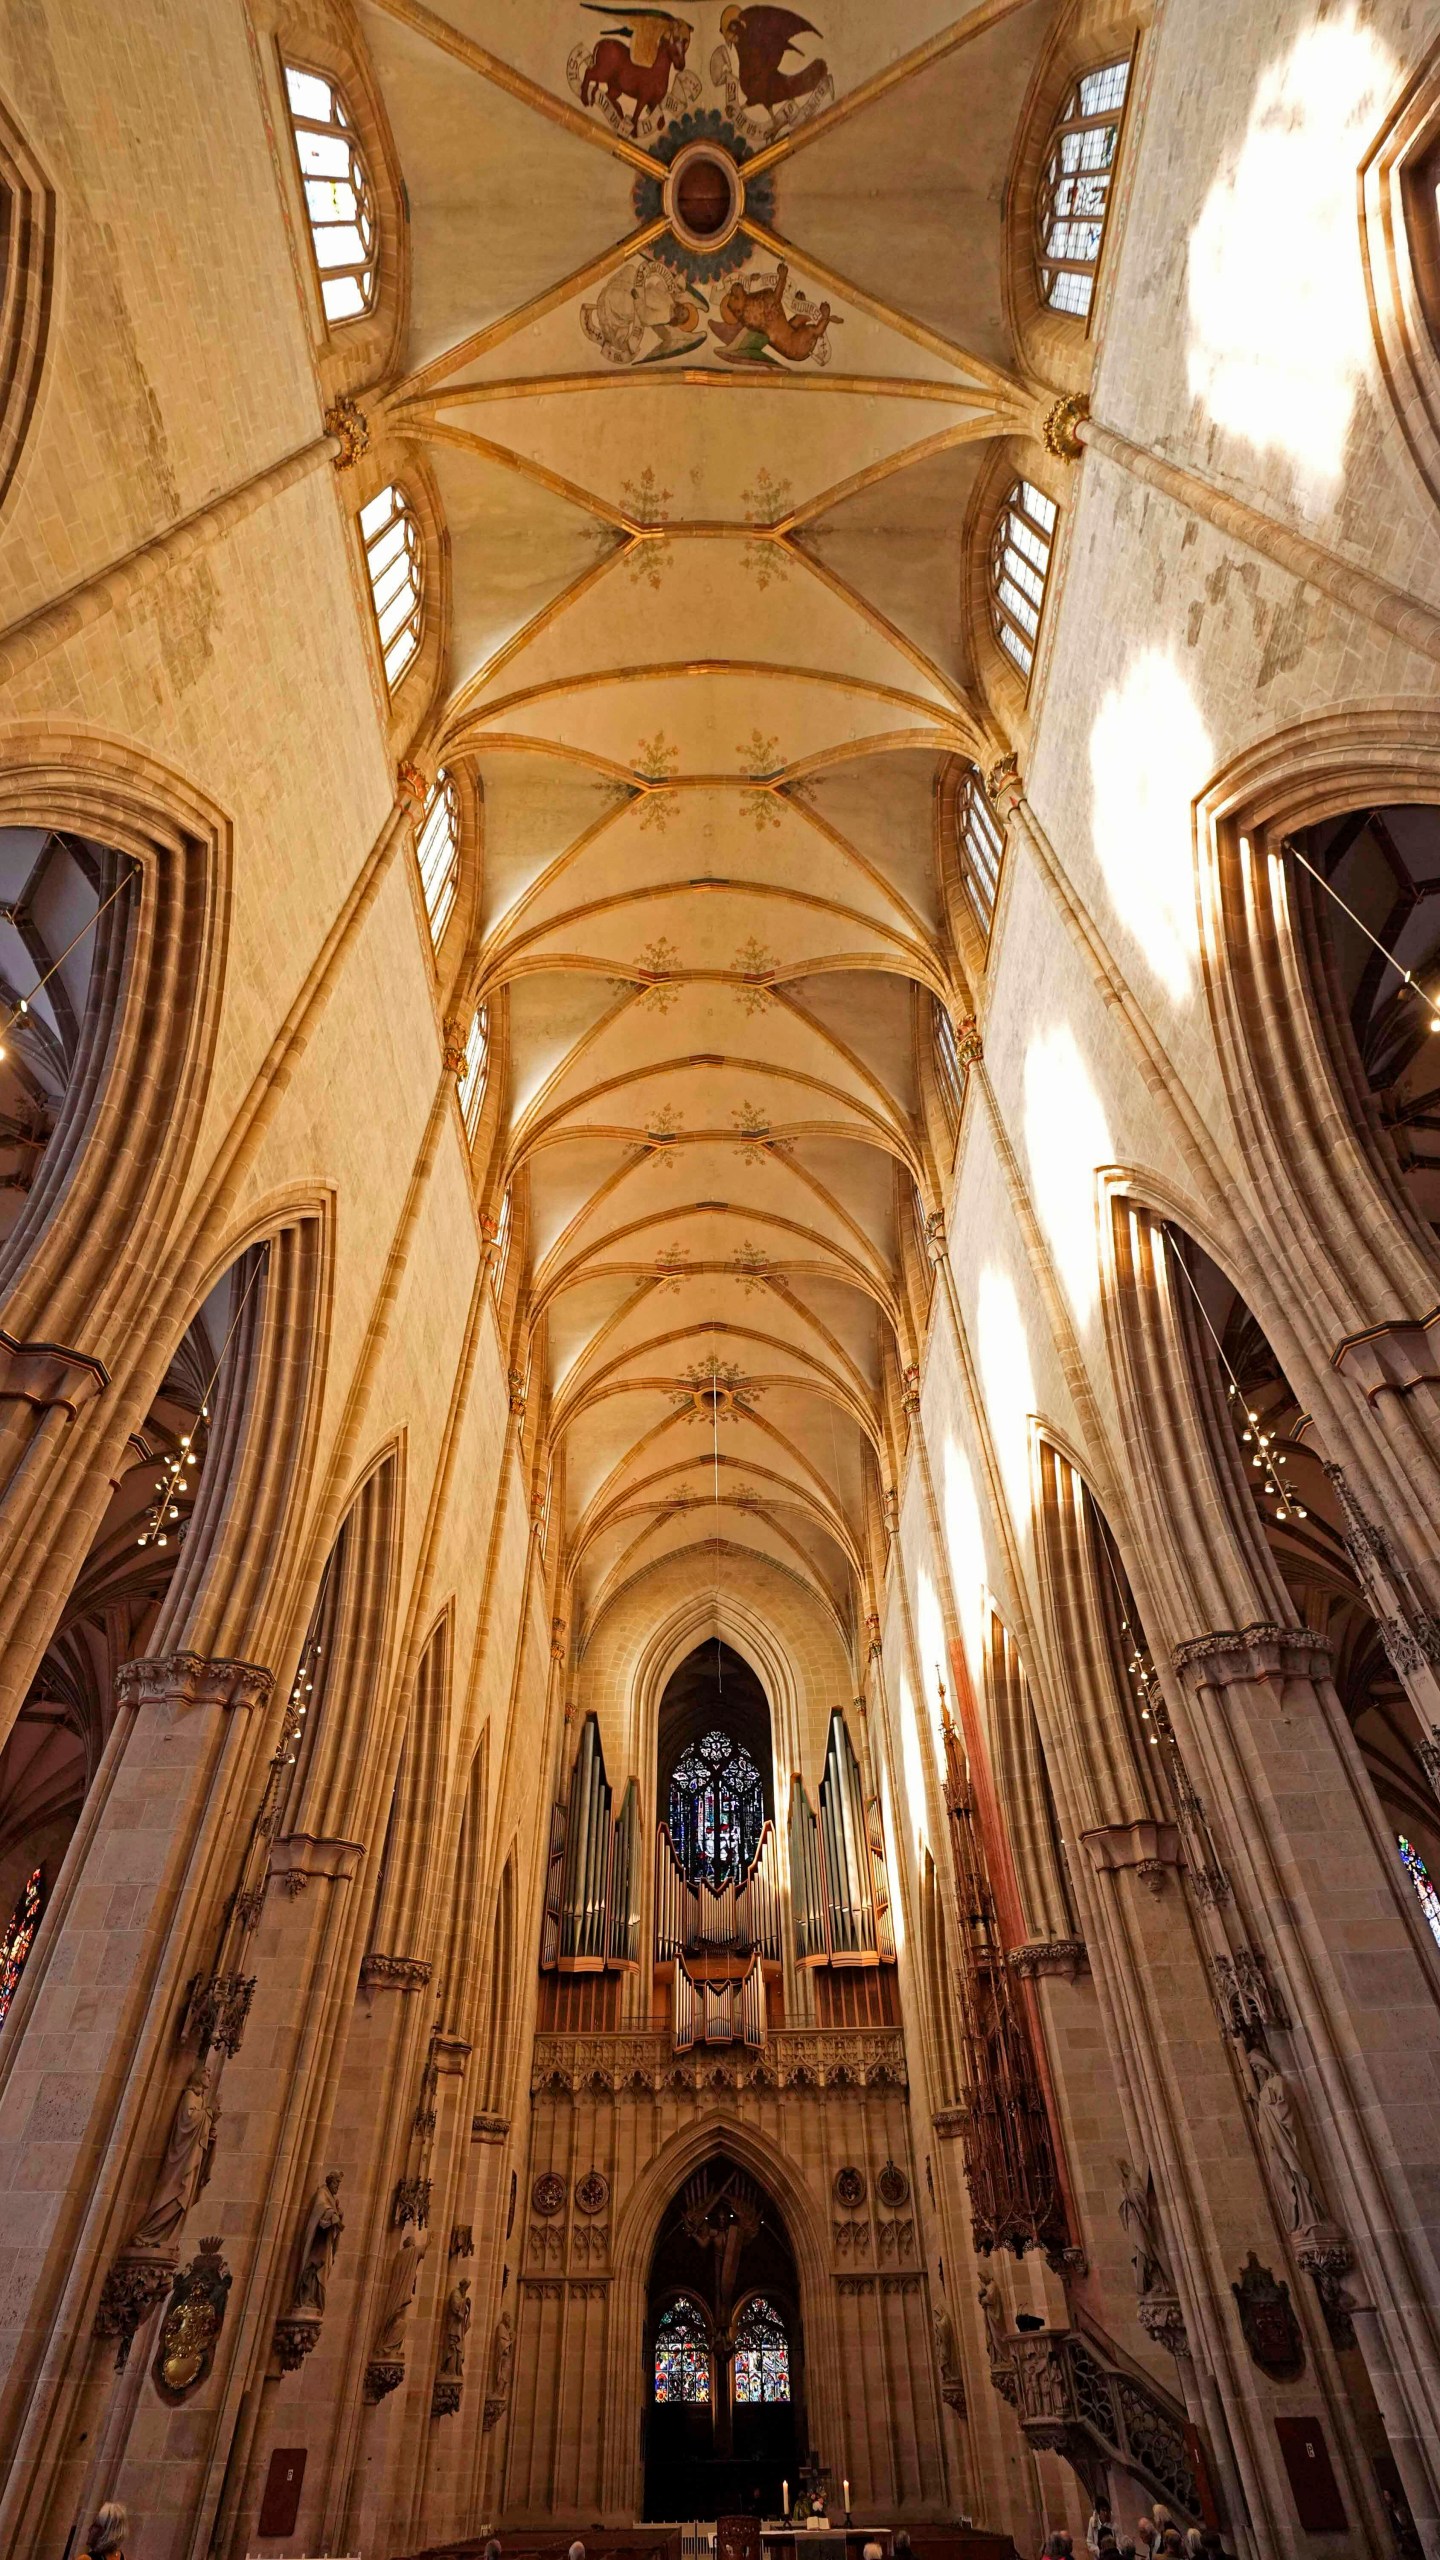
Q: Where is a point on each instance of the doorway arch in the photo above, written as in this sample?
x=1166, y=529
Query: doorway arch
x=724, y=2350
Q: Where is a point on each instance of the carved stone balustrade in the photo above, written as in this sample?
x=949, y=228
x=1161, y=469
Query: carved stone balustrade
x=1070, y=2400
x=807, y=2059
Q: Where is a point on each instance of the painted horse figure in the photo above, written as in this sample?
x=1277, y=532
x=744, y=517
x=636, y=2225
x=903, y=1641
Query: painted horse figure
x=636, y=61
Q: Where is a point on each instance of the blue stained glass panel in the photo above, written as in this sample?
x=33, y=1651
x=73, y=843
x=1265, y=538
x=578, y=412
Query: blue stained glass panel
x=682, y=2354
x=762, y=2353
x=717, y=1809
x=1419, y=1875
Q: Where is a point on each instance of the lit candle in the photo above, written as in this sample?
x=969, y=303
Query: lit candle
x=846, y=2487
x=785, y=2495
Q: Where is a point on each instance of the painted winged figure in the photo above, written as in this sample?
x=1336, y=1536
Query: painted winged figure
x=753, y=71
x=639, y=58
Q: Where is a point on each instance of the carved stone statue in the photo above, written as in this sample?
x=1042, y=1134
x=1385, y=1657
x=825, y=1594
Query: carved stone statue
x=1280, y=2143
x=1137, y=2213
x=399, y=2294
x=994, y=2311
x=186, y=2164
x=458, y=2310
x=319, y=2241
x=944, y=2341
x=500, y=2357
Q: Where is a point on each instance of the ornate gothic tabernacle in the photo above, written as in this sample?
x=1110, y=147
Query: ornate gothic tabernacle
x=1010, y=2165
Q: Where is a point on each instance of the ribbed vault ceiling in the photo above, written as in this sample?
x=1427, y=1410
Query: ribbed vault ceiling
x=708, y=655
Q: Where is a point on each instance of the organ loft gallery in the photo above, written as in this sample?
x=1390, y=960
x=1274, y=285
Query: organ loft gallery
x=720, y=1280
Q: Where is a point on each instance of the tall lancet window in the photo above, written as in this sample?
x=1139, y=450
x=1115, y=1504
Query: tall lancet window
x=762, y=2353
x=338, y=196
x=682, y=2353
x=717, y=1809
x=1419, y=1875
x=1019, y=569
x=395, y=563
x=1074, y=196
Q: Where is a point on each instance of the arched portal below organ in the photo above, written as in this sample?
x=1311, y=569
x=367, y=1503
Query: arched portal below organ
x=724, y=2360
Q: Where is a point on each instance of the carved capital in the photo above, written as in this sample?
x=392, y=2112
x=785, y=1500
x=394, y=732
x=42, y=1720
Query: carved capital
x=449, y=2053
x=189, y=1680
x=969, y=1047
x=494, y=2412
x=351, y=429
x=1040, y=1956
x=1392, y=1359
x=383, y=2374
x=1149, y=1847
x=1003, y=785
x=299, y=1857
x=452, y=1056
x=445, y=2398
x=293, y=2339
x=1258, y=1653
x=138, y=2280
x=1062, y=424
x=47, y=1376
x=489, y=2128
x=394, y=1973
x=411, y=787
x=1161, y=2318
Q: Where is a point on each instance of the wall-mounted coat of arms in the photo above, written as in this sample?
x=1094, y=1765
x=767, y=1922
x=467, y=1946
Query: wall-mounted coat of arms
x=1269, y=2321
x=192, y=2325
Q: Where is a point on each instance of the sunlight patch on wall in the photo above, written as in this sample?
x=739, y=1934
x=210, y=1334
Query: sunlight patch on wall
x=934, y=1659
x=1150, y=755
x=1280, y=332
x=966, y=1541
x=1008, y=1382
x=914, y=1761
x=1066, y=1137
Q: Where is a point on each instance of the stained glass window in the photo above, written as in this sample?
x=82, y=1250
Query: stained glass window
x=762, y=2353
x=717, y=1809
x=682, y=2353
x=1419, y=1875
x=19, y=1937
x=1075, y=190
x=980, y=845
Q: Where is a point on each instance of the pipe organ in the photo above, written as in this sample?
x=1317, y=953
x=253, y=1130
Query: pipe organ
x=726, y=2012
x=739, y=1917
x=839, y=1886
x=592, y=1910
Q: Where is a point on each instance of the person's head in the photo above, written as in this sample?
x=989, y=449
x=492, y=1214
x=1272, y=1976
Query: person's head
x=1194, y=2543
x=109, y=2531
x=1163, y=2517
x=492, y=2548
x=873, y=2551
x=1171, y=2544
x=1059, y=2546
x=901, y=2545
x=1102, y=2507
x=576, y=2551
x=1105, y=2539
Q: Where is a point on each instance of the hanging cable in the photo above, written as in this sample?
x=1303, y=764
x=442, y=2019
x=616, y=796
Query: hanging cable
x=1288, y=1505
x=1288, y=845
x=24, y=1003
x=165, y=1508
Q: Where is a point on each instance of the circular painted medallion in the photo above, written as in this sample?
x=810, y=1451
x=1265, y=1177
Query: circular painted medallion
x=592, y=2192
x=850, y=2186
x=548, y=2193
x=892, y=2186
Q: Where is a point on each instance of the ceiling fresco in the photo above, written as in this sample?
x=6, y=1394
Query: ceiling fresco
x=707, y=351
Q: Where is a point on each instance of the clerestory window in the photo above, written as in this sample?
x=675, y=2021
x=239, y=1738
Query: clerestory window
x=502, y=1246
x=438, y=847
x=338, y=196
x=394, y=560
x=472, y=1074
x=1019, y=568
x=1074, y=196
x=950, y=1075
x=979, y=844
